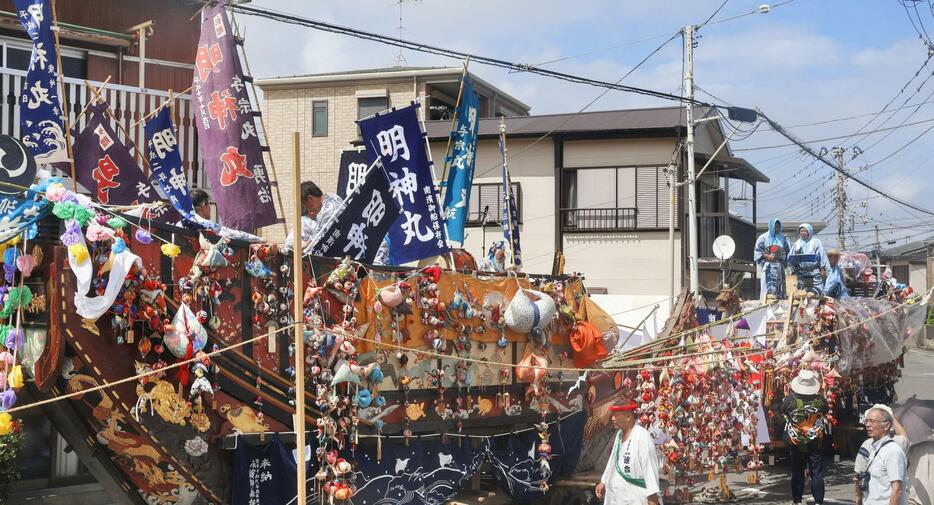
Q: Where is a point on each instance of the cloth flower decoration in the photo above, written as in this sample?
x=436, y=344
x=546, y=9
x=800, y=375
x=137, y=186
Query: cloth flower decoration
x=72, y=233
x=55, y=192
x=83, y=215
x=97, y=233
x=117, y=223
x=80, y=253
x=196, y=447
x=6, y=358
x=8, y=399
x=171, y=250
x=9, y=270
x=26, y=263
x=6, y=424
x=14, y=339
x=119, y=246
x=10, y=255
x=143, y=236
x=64, y=210
x=15, y=379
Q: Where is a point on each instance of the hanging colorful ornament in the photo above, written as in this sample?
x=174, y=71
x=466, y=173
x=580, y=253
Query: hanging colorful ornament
x=171, y=250
x=79, y=252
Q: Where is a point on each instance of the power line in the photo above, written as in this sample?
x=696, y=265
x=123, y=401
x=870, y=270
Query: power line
x=838, y=137
x=450, y=53
x=857, y=116
x=781, y=130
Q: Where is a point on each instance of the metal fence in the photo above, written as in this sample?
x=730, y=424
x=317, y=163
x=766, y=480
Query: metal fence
x=598, y=220
x=128, y=104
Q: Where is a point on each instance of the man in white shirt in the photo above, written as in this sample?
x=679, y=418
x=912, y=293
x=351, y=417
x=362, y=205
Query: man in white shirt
x=883, y=467
x=631, y=475
x=318, y=209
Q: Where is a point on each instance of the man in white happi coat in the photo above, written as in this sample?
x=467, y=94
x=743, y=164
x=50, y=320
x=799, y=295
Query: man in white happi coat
x=631, y=475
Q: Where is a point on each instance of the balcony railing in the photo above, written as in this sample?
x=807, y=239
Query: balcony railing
x=598, y=220
x=128, y=104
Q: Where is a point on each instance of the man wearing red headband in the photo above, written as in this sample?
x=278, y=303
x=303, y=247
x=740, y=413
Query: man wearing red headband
x=631, y=475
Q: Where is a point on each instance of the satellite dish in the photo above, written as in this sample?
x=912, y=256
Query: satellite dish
x=724, y=247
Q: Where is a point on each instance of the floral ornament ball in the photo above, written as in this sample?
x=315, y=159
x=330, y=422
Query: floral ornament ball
x=171, y=250
x=79, y=252
x=196, y=447
x=6, y=424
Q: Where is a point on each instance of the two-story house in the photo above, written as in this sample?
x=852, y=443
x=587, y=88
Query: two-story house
x=595, y=186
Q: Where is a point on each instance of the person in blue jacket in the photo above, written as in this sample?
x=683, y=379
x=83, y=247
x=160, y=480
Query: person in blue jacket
x=771, y=254
x=810, y=274
x=835, y=283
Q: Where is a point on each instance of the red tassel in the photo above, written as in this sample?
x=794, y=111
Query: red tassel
x=183, y=370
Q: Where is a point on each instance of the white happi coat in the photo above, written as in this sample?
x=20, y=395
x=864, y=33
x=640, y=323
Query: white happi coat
x=637, y=455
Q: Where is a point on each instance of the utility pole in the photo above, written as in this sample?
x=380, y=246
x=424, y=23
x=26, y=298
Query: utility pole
x=689, y=143
x=672, y=180
x=841, y=198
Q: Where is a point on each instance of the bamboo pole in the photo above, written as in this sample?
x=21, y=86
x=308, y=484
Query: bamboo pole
x=161, y=105
x=447, y=149
x=262, y=123
x=62, y=99
x=94, y=93
x=137, y=151
x=299, y=420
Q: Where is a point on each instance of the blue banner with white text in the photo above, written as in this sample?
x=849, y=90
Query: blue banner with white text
x=165, y=162
x=461, y=160
x=40, y=116
x=397, y=138
x=510, y=211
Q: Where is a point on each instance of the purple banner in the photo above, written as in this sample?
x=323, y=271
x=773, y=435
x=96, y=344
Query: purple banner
x=105, y=167
x=233, y=157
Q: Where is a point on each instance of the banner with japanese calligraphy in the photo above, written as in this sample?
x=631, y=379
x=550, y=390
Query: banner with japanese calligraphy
x=358, y=227
x=461, y=163
x=40, y=116
x=263, y=474
x=233, y=157
x=17, y=215
x=397, y=139
x=353, y=170
x=165, y=162
x=510, y=210
x=105, y=167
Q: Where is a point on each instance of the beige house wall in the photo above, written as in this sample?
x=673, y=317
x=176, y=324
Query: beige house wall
x=618, y=152
x=628, y=263
x=917, y=277
x=532, y=168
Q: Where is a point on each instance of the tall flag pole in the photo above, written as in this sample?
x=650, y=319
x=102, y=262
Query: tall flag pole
x=457, y=105
x=510, y=212
x=64, y=101
x=461, y=160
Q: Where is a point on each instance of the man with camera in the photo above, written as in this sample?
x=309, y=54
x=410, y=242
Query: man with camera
x=881, y=465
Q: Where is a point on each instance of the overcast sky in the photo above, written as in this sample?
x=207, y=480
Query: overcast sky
x=806, y=61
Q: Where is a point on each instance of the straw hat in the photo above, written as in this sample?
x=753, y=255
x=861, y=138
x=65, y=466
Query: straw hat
x=834, y=252
x=806, y=383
